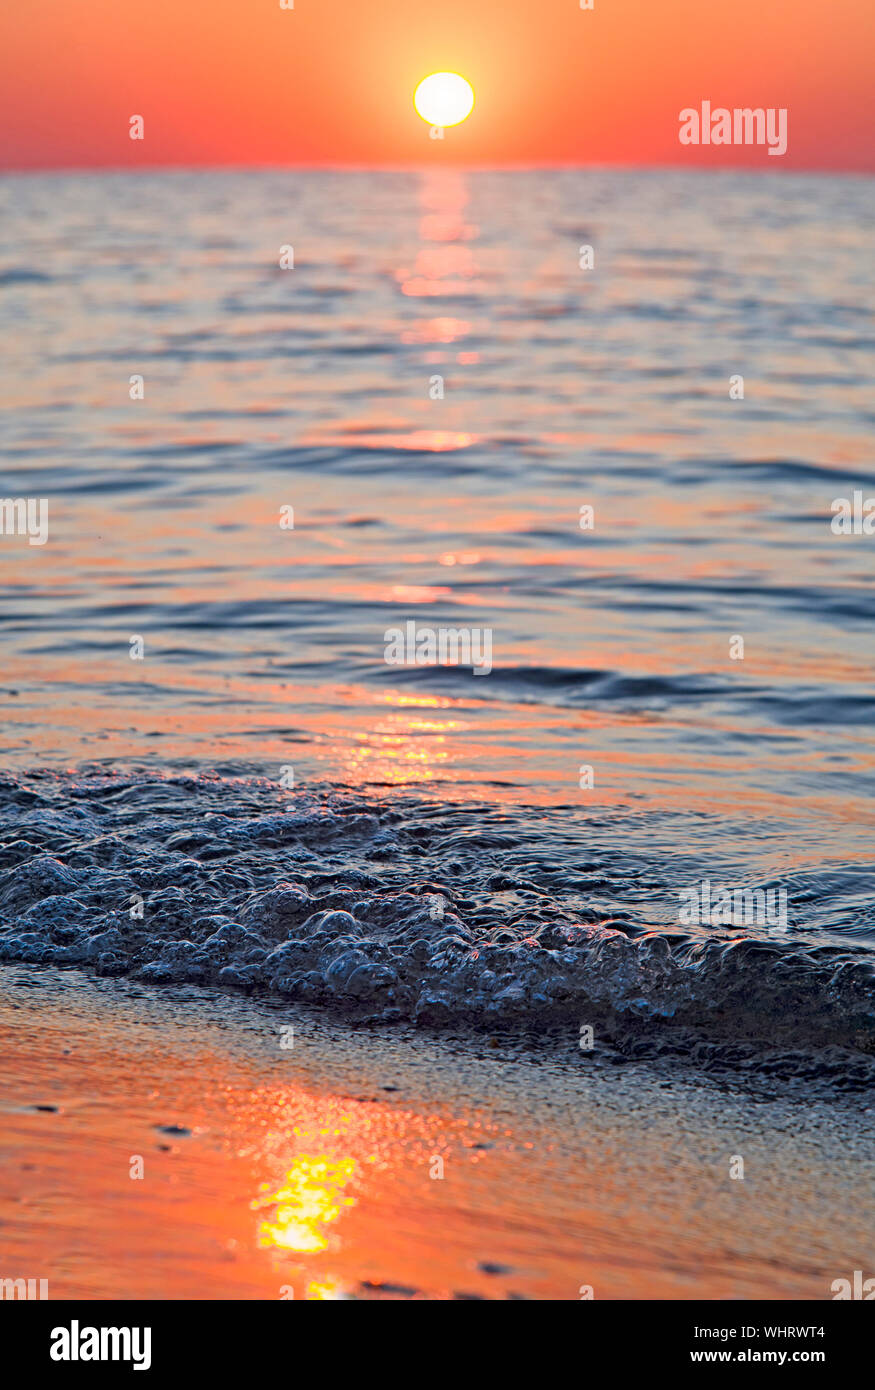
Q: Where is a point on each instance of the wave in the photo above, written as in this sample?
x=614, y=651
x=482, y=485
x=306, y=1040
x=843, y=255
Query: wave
x=402, y=910
x=21, y=275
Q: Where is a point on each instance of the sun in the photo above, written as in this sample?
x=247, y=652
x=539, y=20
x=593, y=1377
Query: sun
x=444, y=98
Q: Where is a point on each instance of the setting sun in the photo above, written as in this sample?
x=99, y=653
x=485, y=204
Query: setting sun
x=444, y=98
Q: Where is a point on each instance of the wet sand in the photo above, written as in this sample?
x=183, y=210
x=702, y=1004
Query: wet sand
x=313, y=1170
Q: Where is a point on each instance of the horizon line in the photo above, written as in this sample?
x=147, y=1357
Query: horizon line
x=376, y=168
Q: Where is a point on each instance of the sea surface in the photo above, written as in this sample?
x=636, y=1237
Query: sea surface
x=436, y=388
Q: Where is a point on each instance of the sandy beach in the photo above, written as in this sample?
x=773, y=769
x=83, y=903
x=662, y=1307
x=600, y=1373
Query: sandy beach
x=312, y=1169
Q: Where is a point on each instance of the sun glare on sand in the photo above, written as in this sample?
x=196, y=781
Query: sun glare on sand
x=444, y=98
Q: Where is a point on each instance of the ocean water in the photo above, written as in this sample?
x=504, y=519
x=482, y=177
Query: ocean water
x=263, y=766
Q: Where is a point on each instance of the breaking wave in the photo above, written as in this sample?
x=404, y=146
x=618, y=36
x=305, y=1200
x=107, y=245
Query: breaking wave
x=403, y=910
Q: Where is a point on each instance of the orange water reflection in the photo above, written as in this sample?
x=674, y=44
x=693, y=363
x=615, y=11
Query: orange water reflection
x=352, y=1201
x=416, y=441
x=310, y=1199
x=445, y=264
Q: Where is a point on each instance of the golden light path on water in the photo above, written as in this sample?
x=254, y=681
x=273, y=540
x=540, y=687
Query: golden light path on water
x=309, y=1201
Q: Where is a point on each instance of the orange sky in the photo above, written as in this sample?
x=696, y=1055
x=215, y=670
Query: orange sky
x=331, y=82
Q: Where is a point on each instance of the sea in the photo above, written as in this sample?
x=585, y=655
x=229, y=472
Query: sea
x=610, y=419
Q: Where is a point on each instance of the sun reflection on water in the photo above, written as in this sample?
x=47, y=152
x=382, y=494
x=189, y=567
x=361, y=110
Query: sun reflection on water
x=308, y=1201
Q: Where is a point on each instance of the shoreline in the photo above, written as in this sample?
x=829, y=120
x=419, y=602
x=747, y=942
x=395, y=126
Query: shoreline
x=407, y=913
x=365, y=1163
